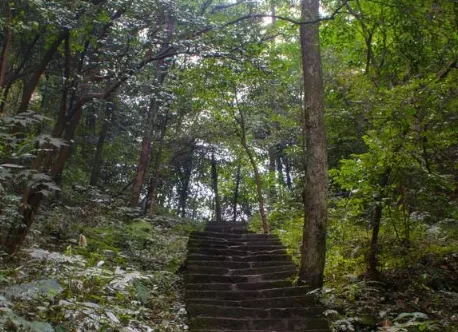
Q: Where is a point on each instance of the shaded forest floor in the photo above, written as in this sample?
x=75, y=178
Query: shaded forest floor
x=127, y=278
x=423, y=297
x=418, y=284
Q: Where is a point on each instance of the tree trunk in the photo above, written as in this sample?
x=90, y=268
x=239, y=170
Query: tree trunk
x=184, y=191
x=156, y=165
x=185, y=171
x=16, y=235
x=214, y=176
x=257, y=175
x=97, y=162
x=372, y=261
x=281, y=177
x=45, y=162
x=272, y=182
x=5, y=50
x=31, y=84
x=141, y=167
x=313, y=250
x=236, y=193
x=289, y=182
x=145, y=152
x=32, y=197
x=8, y=83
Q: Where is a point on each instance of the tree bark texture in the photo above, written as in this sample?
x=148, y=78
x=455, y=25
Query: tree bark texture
x=313, y=250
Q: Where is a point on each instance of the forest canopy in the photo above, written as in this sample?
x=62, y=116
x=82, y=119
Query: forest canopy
x=334, y=127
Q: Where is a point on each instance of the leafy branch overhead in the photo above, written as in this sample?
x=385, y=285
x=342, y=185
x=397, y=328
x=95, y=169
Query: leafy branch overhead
x=126, y=125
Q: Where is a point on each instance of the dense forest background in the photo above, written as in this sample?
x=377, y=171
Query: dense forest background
x=126, y=124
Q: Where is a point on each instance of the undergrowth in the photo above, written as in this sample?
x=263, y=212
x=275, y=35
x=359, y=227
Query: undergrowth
x=97, y=268
x=418, y=285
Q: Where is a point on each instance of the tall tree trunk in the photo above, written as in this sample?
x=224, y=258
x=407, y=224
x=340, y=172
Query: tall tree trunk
x=289, y=182
x=32, y=197
x=281, y=177
x=156, y=166
x=372, y=260
x=145, y=151
x=184, y=190
x=31, y=84
x=257, y=175
x=272, y=182
x=161, y=73
x=236, y=193
x=313, y=250
x=214, y=176
x=142, y=165
x=6, y=49
x=7, y=84
x=97, y=163
x=185, y=172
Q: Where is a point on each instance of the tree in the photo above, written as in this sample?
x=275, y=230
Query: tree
x=214, y=176
x=97, y=60
x=313, y=250
x=390, y=90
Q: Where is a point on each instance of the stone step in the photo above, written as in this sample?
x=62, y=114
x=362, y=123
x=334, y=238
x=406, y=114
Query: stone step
x=235, y=252
x=220, y=245
x=223, y=324
x=209, y=278
x=247, y=271
x=235, y=265
x=270, y=303
x=247, y=295
x=201, y=238
x=235, y=245
x=241, y=258
x=241, y=286
x=228, y=236
x=276, y=330
x=237, y=280
x=237, y=312
x=226, y=225
x=235, y=231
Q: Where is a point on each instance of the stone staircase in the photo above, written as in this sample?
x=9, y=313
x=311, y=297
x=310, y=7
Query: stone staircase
x=241, y=281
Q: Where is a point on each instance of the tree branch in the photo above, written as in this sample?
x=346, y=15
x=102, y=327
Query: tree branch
x=288, y=19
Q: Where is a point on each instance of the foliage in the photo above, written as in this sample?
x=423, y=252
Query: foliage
x=125, y=277
x=80, y=89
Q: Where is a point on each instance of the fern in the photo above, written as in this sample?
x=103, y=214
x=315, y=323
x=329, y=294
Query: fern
x=141, y=292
